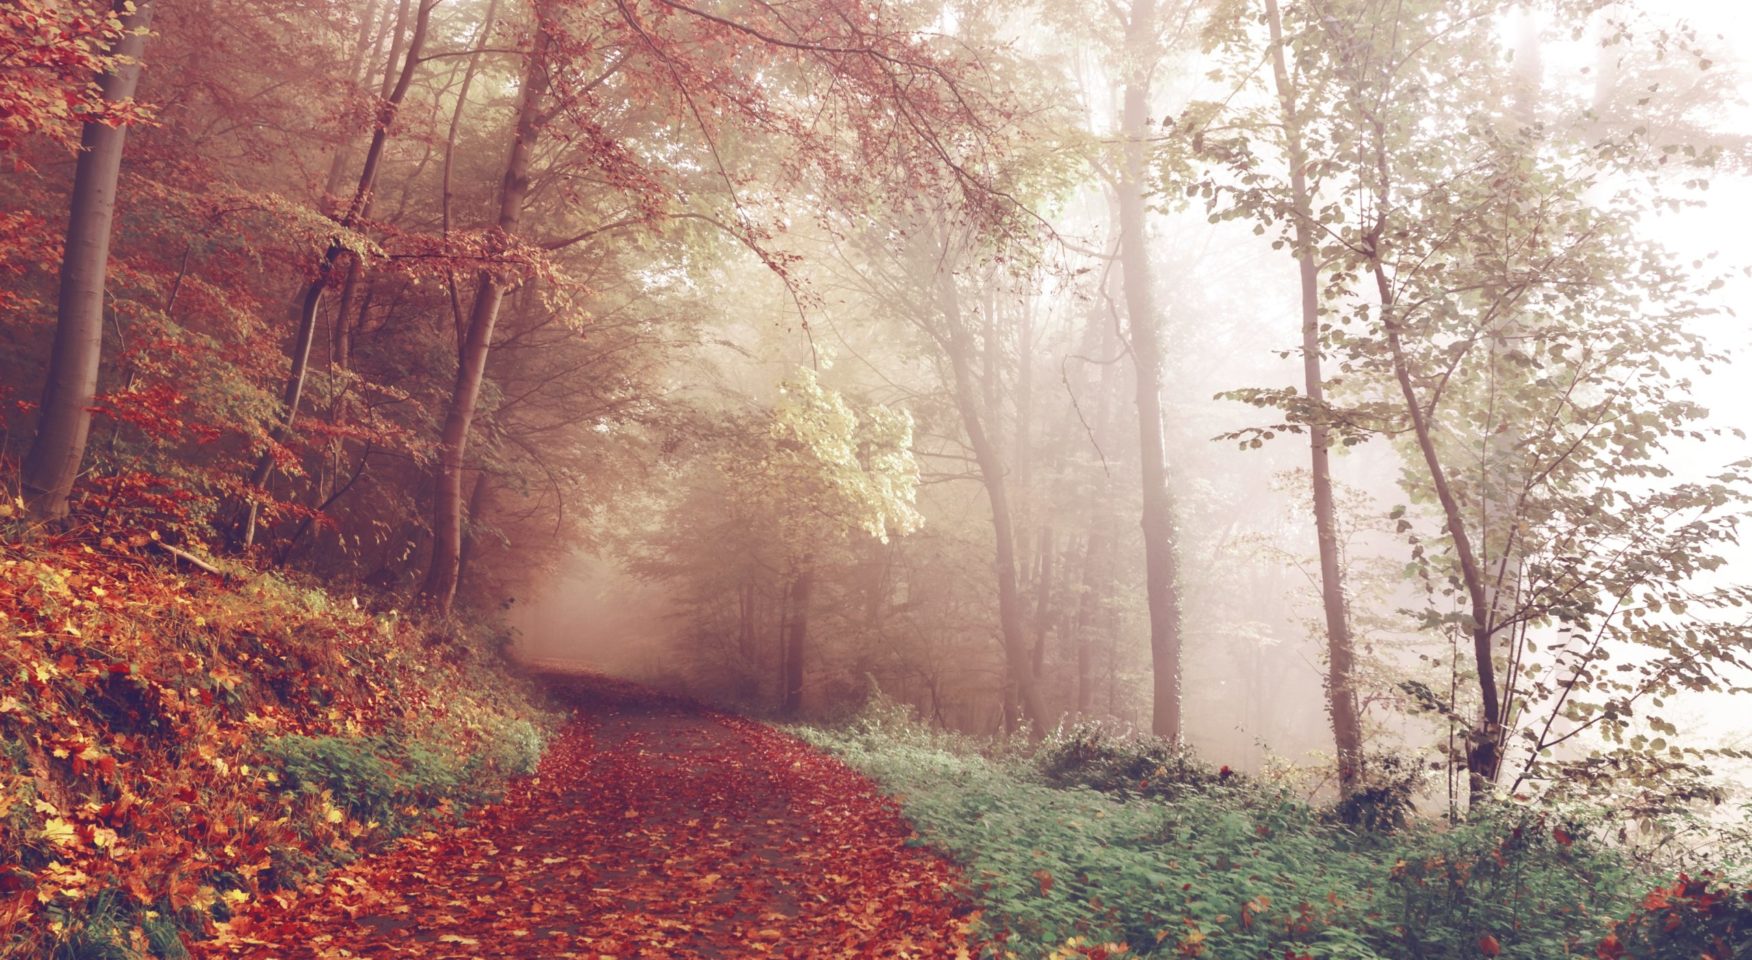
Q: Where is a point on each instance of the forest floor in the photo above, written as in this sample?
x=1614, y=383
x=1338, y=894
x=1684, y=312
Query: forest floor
x=652, y=829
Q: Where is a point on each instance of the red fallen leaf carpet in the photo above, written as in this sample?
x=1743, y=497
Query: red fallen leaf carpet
x=652, y=829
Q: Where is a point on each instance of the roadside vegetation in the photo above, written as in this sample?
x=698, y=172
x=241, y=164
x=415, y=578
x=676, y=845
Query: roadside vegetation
x=1097, y=845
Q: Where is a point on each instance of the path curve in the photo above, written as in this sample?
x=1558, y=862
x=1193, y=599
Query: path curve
x=653, y=829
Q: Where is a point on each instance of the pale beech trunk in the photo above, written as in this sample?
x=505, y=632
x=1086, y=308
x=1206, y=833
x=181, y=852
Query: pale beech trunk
x=440, y=586
x=1160, y=561
x=1341, y=693
x=1043, y=602
x=1095, y=605
x=58, y=449
x=959, y=344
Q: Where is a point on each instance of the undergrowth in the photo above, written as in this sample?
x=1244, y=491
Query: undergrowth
x=175, y=745
x=1094, y=846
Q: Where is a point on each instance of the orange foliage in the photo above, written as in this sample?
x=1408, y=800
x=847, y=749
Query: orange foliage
x=133, y=704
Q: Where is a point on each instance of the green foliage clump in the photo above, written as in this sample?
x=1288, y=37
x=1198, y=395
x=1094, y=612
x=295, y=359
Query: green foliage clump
x=1066, y=853
x=390, y=782
x=1386, y=799
x=1087, y=755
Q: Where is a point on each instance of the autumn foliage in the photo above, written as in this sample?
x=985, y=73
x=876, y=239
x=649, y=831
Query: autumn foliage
x=1701, y=916
x=140, y=704
x=651, y=829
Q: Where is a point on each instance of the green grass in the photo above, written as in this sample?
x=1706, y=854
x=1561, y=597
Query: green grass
x=1223, y=868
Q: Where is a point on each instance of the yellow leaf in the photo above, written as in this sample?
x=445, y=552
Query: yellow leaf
x=60, y=831
x=103, y=838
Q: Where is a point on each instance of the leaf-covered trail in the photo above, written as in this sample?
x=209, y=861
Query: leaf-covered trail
x=652, y=830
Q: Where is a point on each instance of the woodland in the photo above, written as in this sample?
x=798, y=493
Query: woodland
x=1213, y=478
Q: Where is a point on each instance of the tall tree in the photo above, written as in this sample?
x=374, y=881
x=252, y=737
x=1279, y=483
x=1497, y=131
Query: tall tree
x=490, y=287
x=65, y=419
x=956, y=340
x=1341, y=692
x=1141, y=51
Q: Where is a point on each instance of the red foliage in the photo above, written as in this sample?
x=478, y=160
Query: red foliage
x=133, y=704
x=1698, y=916
x=51, y=53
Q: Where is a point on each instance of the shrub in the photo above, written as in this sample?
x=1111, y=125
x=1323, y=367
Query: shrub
x=1086, y=755
x=1068, y=855
x=1693, y=917
x=1385, y=799
x=383, y=780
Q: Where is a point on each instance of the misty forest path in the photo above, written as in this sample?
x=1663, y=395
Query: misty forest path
x=653, y=829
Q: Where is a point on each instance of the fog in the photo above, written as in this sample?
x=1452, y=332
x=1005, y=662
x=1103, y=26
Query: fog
x=1255, y=661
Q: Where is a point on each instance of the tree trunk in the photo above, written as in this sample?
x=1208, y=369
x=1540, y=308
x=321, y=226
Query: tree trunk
x=1160, y=560
x=362, y=46
x=796, y=639
x=58, y=449
x=477, y=511
x=440, y=586
x=1341, y=693
x=1043, y=602
x=745, y=611
x=1097, y=580
x=991, y=468
x=243, y=535
x=1483, y=752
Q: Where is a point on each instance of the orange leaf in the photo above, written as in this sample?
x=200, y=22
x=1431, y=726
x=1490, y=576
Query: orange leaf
x=1044, y=878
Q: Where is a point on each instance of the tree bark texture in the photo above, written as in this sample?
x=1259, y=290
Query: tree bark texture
x=58, y=448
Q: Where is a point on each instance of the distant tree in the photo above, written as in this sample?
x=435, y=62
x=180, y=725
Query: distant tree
x=793, y=490
x=1139, y=53
x=826, y=472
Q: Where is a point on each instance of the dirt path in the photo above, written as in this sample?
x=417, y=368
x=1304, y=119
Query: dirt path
x=652, y=830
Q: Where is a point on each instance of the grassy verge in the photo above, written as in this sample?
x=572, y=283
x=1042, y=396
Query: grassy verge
x=1187, y=862
x=174, y=744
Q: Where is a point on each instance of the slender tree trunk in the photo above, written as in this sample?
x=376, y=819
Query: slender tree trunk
x=58, y=449
x=359, y=207
x=1341, y=693
x=745, y=633
x=796, y=640
x=1483, y=753
x=362, y=45
x=446, y=195
x=477, y=511
x=1095, y=605
x=991, y=468
x=1097, y=581
x=1160, y=561
x=1043, y=602
x=440, y=586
